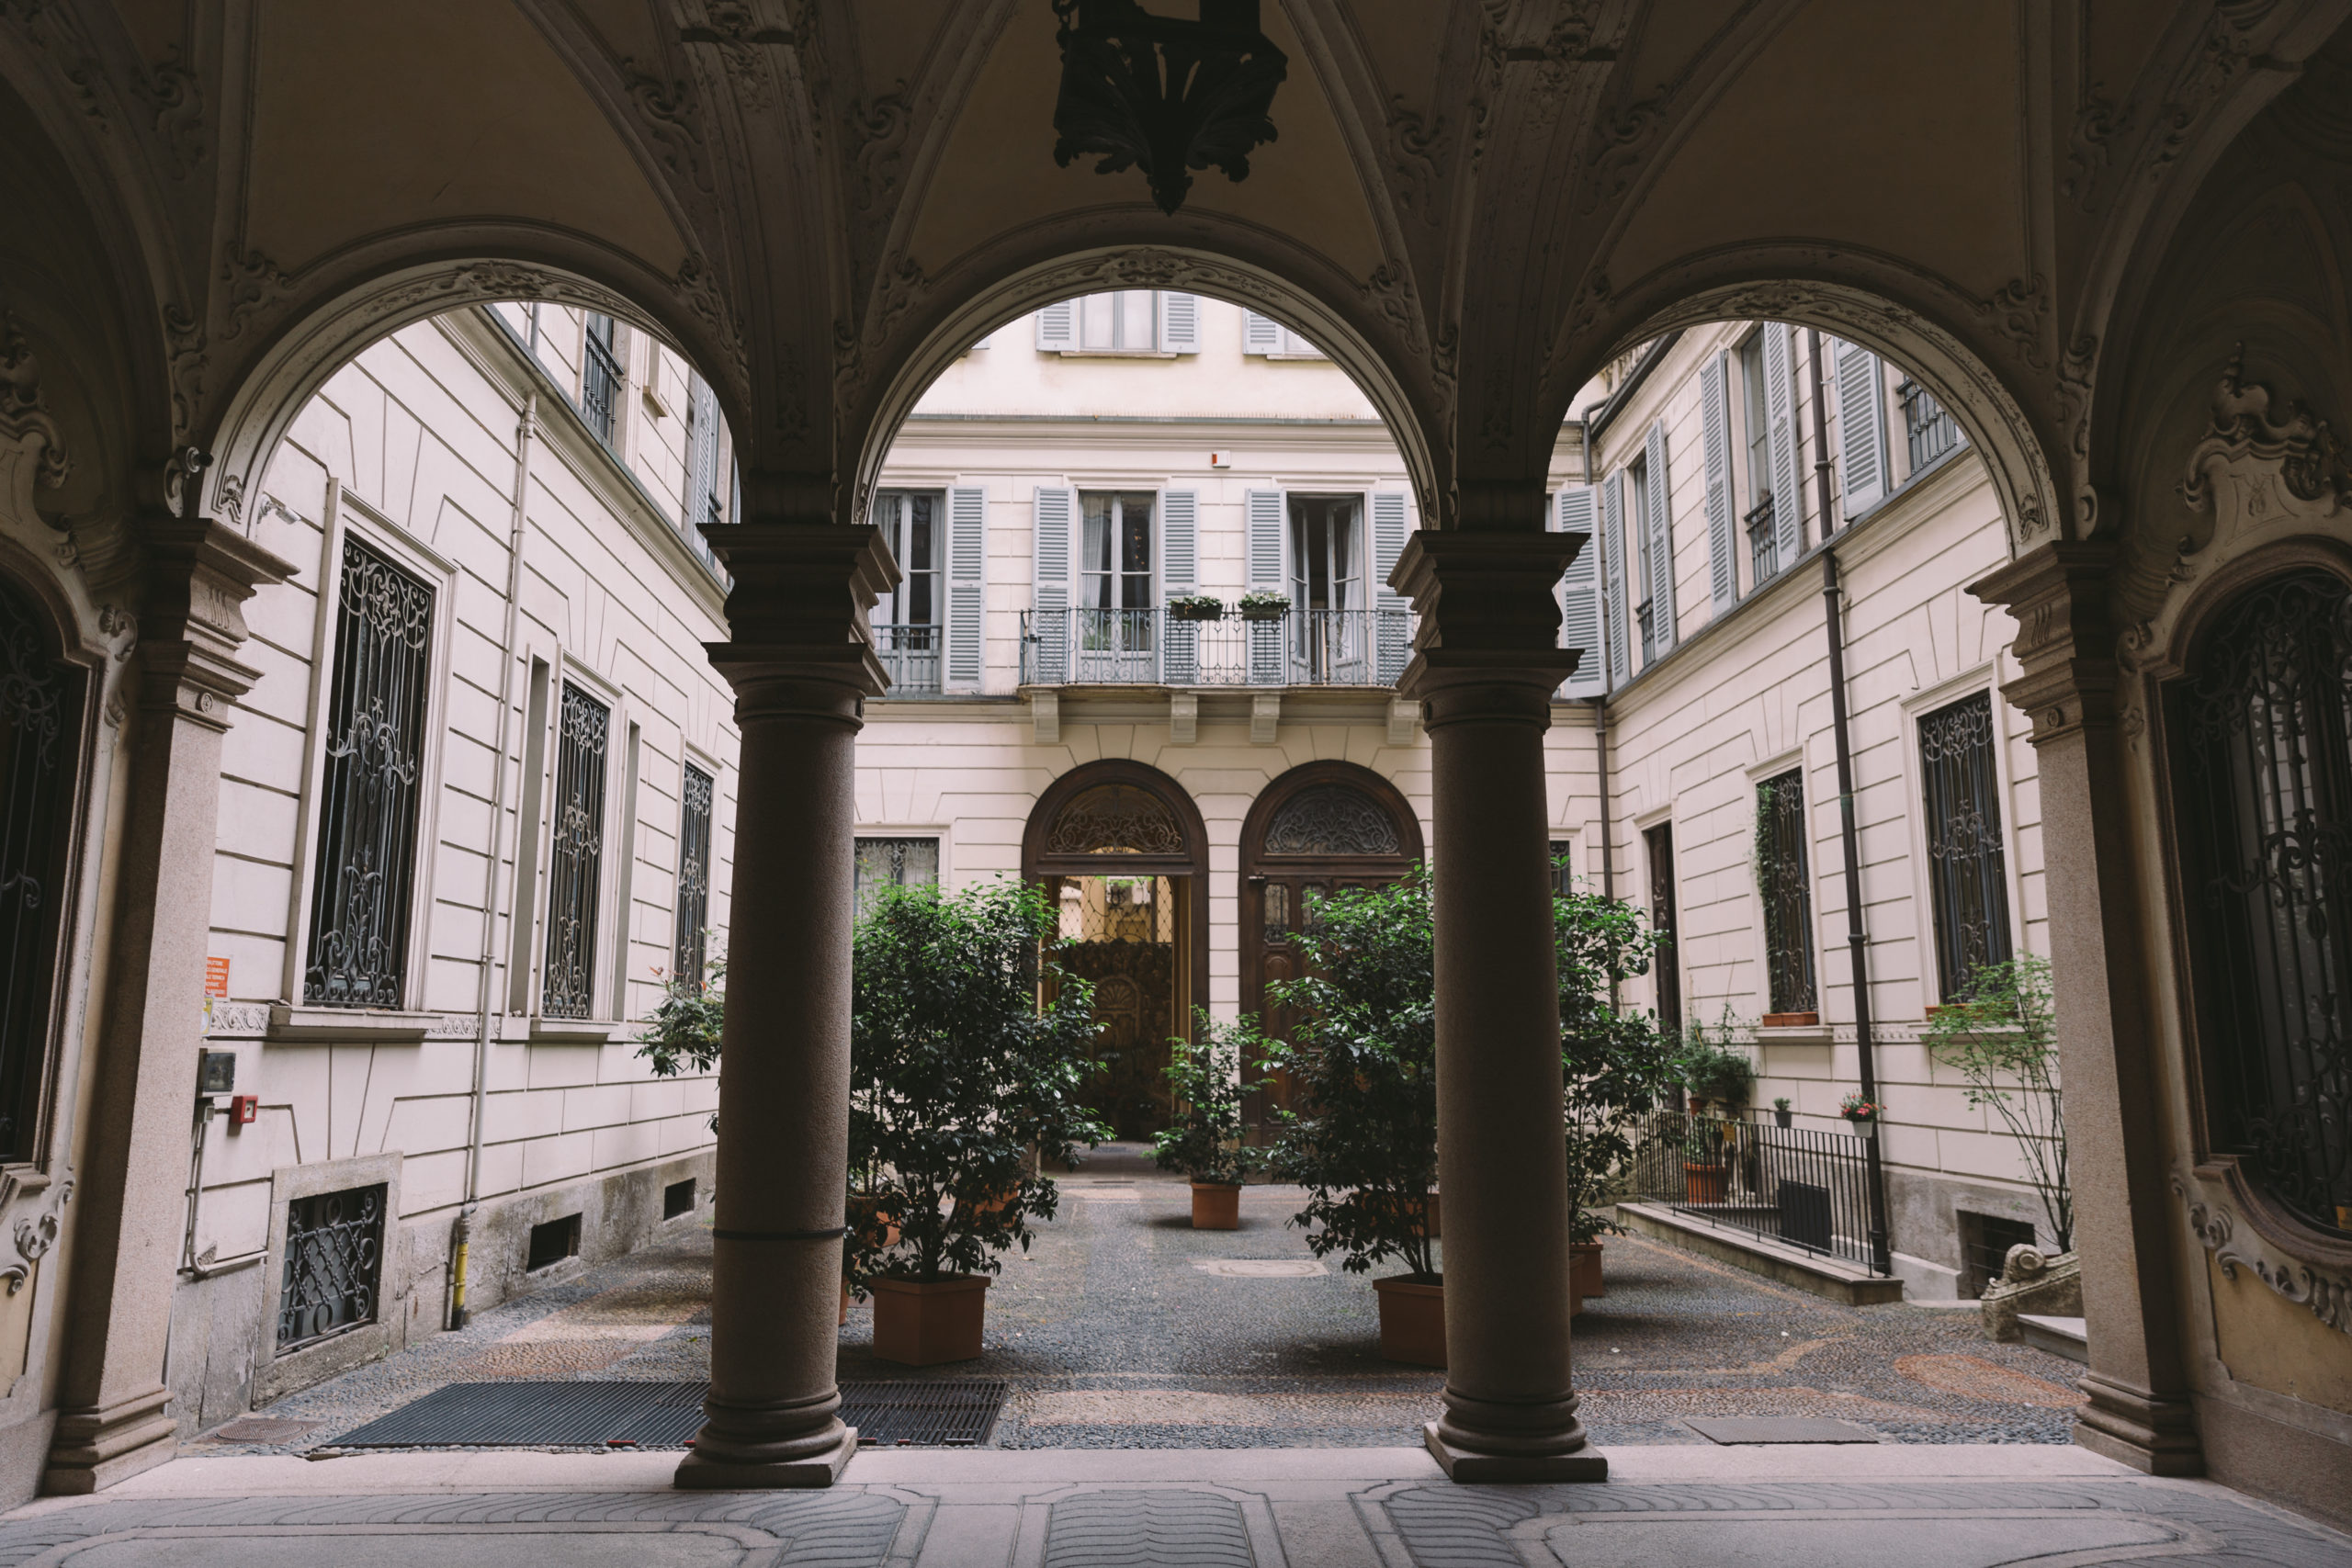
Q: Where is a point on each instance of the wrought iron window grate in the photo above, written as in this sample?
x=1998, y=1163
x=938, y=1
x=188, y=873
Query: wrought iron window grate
x=893, y=863
x=600, y=379
x=1967, y=868
x=2262, y=728
x=575, y=858
x=1785, y=882
x=693, y=876
x=334, y=1247
x=370, y=792
x=1763, y=542
x=38, y=743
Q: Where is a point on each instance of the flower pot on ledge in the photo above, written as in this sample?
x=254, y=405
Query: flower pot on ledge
x=921, y=1323
x=1216, y=1206
x=1412, y=1319
x=1584, y=1269
x=1264, y=612
x=1705, y=1183
x=1211, y=612
x=1791, y=1020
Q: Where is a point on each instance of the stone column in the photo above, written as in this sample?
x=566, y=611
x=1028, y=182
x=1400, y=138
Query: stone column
x=1485, y=666
x=802, y=664
x=112, y=1421
x=2139, y=1410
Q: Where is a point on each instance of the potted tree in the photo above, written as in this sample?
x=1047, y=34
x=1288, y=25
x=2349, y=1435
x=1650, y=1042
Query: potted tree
x=1362, y=1137
x=1206, y=1077
x=1706, y=1174
x=969, y=1085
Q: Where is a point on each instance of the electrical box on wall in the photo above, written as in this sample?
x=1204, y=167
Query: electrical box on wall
x=244, y=1110
x=216, y=1072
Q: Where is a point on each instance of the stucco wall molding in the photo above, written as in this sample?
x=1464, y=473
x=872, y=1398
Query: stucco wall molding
x=2327, y=1296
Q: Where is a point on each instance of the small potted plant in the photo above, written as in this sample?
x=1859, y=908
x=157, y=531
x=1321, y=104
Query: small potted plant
x=1262, y=605
x=1862, y=1115
x=1783, y=1113
x=1206, y=1077
x=1706, y=1174
x=1195, y=607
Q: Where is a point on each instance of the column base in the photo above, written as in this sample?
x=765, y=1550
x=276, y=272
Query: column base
x=2135, y=1427
x=95, y=1449
x=1468, y=1469
x=697, y=1473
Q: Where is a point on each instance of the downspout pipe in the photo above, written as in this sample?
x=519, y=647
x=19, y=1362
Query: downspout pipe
x=1600, y=703
x=1857, y=939
x=526, y=430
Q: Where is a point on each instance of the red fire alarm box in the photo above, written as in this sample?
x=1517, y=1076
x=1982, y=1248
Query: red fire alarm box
x=244, y=1108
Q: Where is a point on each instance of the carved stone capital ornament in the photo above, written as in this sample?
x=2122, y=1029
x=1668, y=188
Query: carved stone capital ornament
x=2059, y=594
x=199, y=575
x=26, y=423
x=803, y=646
x=2266, y=461
x=32, y=1224
x=1488, y=643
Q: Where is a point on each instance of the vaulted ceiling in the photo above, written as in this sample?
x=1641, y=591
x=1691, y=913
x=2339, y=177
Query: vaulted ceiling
x=1473, y=202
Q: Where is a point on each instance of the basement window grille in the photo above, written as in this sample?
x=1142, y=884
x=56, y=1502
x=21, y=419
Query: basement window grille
x=1985, y=1243
x=575, y=859
x=553, y=1242
x=678, y=1198
x=39, y=740
x=694, y=877
x=334, y=1249
x=1967, y=869
x=1785, y=882
x=370, y=792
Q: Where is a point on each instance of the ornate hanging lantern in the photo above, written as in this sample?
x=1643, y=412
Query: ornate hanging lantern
x=1165, y=94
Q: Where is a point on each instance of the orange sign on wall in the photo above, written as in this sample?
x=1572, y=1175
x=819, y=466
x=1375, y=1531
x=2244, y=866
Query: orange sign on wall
x=216, y=976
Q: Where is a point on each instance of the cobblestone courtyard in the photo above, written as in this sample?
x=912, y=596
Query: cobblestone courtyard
x=1124, y=1328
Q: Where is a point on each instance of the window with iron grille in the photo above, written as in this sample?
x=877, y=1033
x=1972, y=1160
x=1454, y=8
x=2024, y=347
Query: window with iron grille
x=694, y=875
x=39, y=740
x=1967, y=868
x=575, y=855
x=2261, y=731
x=370, y=791
x=1665, y=967
x=334, y=1254
x=1927, y=425
x=894, y=862
x=600, y=379
x=1784, y=881
x=1563, y=876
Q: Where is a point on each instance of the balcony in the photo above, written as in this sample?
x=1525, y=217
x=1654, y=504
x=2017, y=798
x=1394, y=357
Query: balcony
x=1151, y=647
x=910, y=655
x=1930, y=427
x=1763, y=542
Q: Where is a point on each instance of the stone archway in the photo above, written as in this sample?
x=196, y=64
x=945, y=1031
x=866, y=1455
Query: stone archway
x=1120, y=849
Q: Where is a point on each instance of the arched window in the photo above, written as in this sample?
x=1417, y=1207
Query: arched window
x=2262, y=728
x=40, y=741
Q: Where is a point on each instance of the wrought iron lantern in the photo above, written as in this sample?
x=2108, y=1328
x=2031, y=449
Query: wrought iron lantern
x=1163, y=94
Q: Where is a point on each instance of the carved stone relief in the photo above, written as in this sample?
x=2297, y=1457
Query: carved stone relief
x=32, y=1223
x=1331, y=819
x=1115, y=819
x=22, y=412
x=2264, y=461
x=2328, y=1297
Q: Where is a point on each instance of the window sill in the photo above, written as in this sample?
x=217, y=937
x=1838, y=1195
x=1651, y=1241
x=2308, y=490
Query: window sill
x=572, y=1030
x=1793, y=1035
x=290, y=1024
x=1116, y=353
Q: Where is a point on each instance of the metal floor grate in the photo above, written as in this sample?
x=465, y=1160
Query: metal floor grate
x=955, y=1412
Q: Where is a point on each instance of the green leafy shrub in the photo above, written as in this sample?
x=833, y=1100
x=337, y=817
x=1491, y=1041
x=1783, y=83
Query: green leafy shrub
x=2001, y=1036
x=1209, y=1078
x=681, y=1038
x=1614, y=1064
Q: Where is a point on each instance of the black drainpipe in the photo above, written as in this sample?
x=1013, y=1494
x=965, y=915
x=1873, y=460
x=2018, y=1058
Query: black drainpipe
x=1857, y=940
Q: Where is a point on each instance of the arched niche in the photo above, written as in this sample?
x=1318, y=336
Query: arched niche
x=1120, y=851
x=1320, y=827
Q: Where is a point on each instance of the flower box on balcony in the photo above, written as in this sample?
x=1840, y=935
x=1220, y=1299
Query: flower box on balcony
x=1196, y=607
x=1264, y=607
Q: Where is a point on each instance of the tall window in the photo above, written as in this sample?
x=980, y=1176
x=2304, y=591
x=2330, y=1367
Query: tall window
x=1115, y=551
x=1967, y=871
x=1637, y=501
x=893, y=863
x=600, y=379
x=362, y=883
x=575, y=855
x=39, y=742
x=1752, y=411
x=2262, y=736
x=1667, y=967
x=1563, y=876
x=693, y=876
x=907, y=622
x=699, y=505
x=1125, y=319
x=1783, y=881
x=1327, y=589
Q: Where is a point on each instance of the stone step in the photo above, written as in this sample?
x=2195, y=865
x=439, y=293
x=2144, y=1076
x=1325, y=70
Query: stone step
x=2059, y=1335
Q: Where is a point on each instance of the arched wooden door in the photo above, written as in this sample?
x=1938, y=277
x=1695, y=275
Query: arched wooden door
x=1319, y=827
x=1121, y=850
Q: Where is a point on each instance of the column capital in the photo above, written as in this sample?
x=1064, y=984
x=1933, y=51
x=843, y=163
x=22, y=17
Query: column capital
x=200, y=574
x=802, y=645
x=2059, y=593
x=1487, y=647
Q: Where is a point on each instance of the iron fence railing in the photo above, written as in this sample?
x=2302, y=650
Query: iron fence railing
x=1929, y=424
x=1305, y=648
x=910, y=655
x=1763, y=542
x=1796, y=1185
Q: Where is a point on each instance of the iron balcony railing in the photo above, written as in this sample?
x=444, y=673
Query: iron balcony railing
x=1795, y=1185
x=1763, y=541
x=1929, y=425
x=910, y=655
x=1152, y=648
x=1649, y=633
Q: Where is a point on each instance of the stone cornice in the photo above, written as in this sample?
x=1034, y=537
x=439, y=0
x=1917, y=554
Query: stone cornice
x=2059, y=594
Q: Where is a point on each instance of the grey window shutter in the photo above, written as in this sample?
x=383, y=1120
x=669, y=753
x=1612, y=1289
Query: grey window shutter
x=1861, y=438
x=1058, y=325
x=1392, y=615
x=1580, y=595
x=1660, y=543
x=1265, y=548
x=1179, y=556
x=1261, y=334
x=967, y=522
x=1049, y=625
x=1180, y=324
x=1614, y=609
x=1714, y=424
x=1788, y=500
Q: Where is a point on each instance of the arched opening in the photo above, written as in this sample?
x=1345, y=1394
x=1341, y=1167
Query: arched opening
x=1123, y=856
x=1319, y=827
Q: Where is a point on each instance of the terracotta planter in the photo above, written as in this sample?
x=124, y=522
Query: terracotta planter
x=1705, y=1183
x=1791, y=1020
x=1584, y=1269
x=1412, y=1319
x=1216, y=1206
x=923, y=1323
x=1698, y=1105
